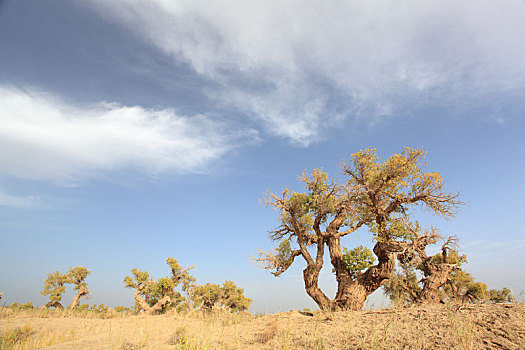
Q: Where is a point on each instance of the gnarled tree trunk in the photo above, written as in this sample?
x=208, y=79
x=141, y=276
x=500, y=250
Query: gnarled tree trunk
x=82, y=292
x=311, y=278
x=437, y=272
x=151, y=310
x=55, y=304
x=431, y=284
x=351, y=294
x=139, y=300
x=159, y=305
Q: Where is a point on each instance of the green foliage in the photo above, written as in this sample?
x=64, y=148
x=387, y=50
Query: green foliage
x=462, y=286
x=138, y=280
x=383, y=189
x=477, y=291
x=457, y=284
x=152, y=291
x=122, y=309
x=208, y=294
x=358, y=259
x=101, y=308
x=77, y=276
x=395, y=228
x=501, y=296
x=54, y=286
x=403, y=286
x=233, y=297
x=283, y=253
x=82, y=307
x=453, y=257
x=228, y=296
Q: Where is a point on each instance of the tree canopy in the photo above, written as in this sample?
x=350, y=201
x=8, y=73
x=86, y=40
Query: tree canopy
x=228, y=297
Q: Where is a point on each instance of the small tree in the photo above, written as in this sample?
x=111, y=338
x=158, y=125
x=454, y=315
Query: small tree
x=143, y=285
x=77, y=276
x=54, y=286
x=442, y=275
x=375, y=194
x=462, y=287
x=501, y=296
x=226, y=297
x=436, y=269
x=154, y=296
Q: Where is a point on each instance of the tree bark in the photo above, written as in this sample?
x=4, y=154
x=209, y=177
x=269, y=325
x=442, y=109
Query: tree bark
x=431, y=284
x=82, y=292
x=352, y=294
x=140, y=301
x=55, y=304
x=159, y=305
x=311, y=278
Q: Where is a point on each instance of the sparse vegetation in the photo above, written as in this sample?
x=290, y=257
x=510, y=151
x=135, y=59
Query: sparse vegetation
x=449, y=309
x=469, y=326
x=157, y=296
x=15, y=337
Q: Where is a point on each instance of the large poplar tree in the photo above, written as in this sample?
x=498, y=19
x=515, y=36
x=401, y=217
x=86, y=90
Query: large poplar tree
x=378, y=195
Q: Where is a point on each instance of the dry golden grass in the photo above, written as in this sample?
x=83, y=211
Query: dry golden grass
x=499, y=326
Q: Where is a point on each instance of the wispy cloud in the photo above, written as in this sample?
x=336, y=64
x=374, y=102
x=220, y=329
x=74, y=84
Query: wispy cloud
x=298, y=66
x=44, y=138
x=490, y=246
x=8, y=200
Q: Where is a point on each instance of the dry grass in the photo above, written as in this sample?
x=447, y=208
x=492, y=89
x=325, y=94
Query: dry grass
x=439, y=327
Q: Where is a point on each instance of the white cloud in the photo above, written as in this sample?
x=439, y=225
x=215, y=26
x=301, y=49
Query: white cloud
x=8, y=200
x=43, y=138
x=284, y=61
x=488, y=247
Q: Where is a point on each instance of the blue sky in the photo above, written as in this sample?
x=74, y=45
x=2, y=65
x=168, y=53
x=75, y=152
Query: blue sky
x=131, y=131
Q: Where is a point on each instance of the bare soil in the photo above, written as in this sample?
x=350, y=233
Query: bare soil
x=499, y=326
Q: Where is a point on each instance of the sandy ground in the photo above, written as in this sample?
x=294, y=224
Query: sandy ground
x=500, y=326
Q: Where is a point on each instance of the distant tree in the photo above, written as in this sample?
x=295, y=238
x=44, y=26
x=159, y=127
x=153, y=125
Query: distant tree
x=462, y=287
x=436, y=270
x=375, y=194
x=154, y=296
x=121, y=309
x=501, y=296
x=101, y=308
x=442, y=276
x=27, y=306
x=82, y=307
x=227, y=297
x=54, y=286
x=77, y=276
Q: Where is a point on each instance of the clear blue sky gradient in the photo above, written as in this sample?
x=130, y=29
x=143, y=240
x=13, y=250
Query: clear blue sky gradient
x=259, y=105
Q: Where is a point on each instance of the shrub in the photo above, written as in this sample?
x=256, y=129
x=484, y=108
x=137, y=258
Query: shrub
x=27, y=306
